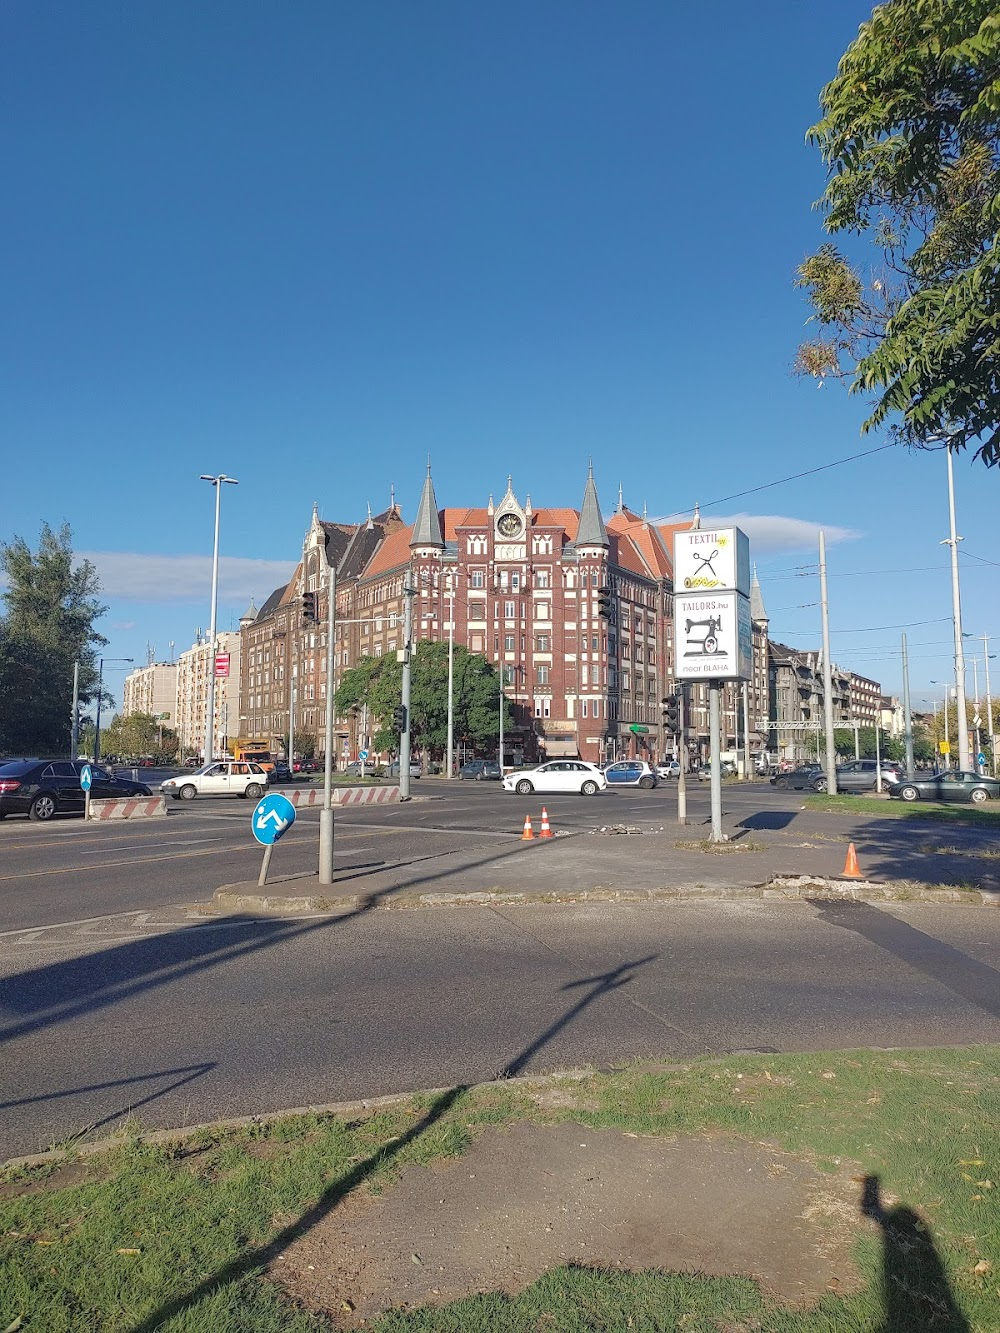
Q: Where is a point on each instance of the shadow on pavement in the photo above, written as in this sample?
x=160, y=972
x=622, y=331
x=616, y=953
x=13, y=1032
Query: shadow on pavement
x=257, y=1259
x=768, y=819
x=967, y=977
x=185, y=1074
x=915, y=1289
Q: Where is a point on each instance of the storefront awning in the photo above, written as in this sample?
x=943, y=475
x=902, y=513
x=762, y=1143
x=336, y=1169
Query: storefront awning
x=559, y=746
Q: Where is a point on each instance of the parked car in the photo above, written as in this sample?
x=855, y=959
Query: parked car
x=392, y=770
x=630, y=773
x=559, y=775
x=41, y=788
x=221, y=779
x=727, y=767
x=304, y=766
x=803, y=778
x=358, y=768
x=480, y=770
x=953, y=785
x=280, y=772
x=670, y=768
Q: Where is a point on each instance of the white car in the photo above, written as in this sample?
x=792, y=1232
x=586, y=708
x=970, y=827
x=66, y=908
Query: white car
x=558, y=775
x=669, y=768
x=220, y=779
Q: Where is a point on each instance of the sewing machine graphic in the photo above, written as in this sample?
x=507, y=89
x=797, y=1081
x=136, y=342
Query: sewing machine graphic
x=708, y=644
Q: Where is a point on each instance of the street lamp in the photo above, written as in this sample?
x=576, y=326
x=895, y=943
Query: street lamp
x=217, y=482
x=949, y=692
x=100, y=691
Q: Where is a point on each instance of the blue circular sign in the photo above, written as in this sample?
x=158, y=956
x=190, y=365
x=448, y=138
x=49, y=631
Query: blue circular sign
x=86, y=777
x=272, y=817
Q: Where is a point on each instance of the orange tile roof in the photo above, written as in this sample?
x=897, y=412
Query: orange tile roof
x=648, y=539
x=567, y=519
x=462, y=518
x=393, y=553
x=625, y=555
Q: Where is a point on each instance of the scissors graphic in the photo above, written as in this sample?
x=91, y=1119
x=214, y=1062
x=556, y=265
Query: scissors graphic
x=705, y=562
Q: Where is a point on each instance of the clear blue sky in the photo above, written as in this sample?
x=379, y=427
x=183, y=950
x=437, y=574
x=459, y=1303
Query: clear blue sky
x=310, y=243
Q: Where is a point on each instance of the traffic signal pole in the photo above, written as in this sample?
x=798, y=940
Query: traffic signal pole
x=404, y=736
x=682, y=755
x=326, y=819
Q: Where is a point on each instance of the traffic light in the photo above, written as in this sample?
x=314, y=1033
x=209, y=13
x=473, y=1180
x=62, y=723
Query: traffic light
x=399, y=718
x=672, y=713
x=604, y=603
x=309, y=607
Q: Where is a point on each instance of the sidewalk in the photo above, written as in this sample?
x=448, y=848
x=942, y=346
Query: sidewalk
x=767, y=852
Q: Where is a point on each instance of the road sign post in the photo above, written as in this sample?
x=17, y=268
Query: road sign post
x=86, y=782
x=273, y=816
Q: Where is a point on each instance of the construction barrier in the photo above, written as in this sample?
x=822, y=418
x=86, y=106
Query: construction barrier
x=130, y=807
x=313, y=796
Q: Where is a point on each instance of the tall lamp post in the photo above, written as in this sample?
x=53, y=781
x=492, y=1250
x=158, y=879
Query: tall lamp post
x=217, y=482
x=964, y=758
x=100, y=691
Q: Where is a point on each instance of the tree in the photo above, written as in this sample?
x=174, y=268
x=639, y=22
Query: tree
x=376, y=682
x=51, y=607
x=911, y=137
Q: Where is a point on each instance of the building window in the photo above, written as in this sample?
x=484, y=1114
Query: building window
x=542, y=675
x=583, y=708
x=508, y=675
x=542, y=643
x=595, y=675
x=515, y=582
x=477, y=610
x=543, y=610
x=509, y=610
x=477, y=643
x=508, y=643
x=542, y=578
x=597, y=708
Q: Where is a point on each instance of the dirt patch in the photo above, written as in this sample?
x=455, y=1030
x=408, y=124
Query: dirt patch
x=530, y=1198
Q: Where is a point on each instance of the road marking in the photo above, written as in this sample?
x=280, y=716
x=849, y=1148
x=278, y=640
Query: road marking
x=132, y=861
x=142, y=846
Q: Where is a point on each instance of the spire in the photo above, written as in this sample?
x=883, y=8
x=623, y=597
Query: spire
x=392, y=497
x=757, y=611
x=591, y=531
x=249, y=615
x=696, y=521
x=645, y=515
x=369, y=525
x=621, y=499
x=427, y=524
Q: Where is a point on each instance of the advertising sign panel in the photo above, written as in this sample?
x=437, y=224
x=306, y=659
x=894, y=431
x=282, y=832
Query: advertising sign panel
x=221, y=664
x=712, y=560
x=713, y=636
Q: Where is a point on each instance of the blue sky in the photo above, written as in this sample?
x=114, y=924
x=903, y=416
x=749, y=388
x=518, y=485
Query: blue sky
x=310, y=243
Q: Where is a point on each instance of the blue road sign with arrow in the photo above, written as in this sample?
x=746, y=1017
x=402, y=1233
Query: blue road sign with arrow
x=86, y=777
x=273, y=816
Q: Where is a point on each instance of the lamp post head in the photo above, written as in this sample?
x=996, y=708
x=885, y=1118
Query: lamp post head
x=207, y=476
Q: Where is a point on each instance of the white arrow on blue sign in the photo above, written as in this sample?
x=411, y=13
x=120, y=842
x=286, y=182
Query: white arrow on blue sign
x=362, y=754
x=273, y=816
x=86, y=777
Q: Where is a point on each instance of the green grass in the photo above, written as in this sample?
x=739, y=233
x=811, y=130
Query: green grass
x=152, y=1224
x=976, y=816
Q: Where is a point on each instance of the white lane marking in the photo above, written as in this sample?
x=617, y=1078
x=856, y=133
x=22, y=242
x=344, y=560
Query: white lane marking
x=141, y=846
x=63, y=925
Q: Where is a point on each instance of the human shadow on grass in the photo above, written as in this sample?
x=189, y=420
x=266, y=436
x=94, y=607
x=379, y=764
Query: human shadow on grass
x=256, y=1260
x=967, y=977
x=915, y=1289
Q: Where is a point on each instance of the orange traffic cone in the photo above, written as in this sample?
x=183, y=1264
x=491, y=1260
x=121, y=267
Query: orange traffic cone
x=851, y=868
x=545, y=831
x=527, y=835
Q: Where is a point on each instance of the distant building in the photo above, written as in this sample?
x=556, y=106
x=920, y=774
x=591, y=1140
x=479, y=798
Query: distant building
x=152, y=689
x=798, y=692
x=866, y=700
x=193, y=671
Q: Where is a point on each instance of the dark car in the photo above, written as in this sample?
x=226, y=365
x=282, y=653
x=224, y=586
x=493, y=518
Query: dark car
x=807, y=777
x=950, y=786
x=281, y=772
x=304, y=766
x=41, y=788
x=480, y=770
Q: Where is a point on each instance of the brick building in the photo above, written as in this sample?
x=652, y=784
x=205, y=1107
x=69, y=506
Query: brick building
x=524, y=582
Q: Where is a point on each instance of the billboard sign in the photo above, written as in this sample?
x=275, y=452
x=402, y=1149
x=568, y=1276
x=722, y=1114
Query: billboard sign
x=221, y=665
x=713, y=637
x=711, y=560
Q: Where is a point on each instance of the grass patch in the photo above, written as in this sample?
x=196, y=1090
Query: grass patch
x=151, y=1223
x=719, y=848
x=975, y=816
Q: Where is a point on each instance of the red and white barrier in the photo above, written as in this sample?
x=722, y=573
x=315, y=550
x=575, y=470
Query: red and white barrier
x=313, y=796
x=131, y=807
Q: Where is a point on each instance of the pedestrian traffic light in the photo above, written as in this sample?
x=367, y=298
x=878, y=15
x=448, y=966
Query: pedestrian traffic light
x=672, y=713
x=604, y=603
x=399, y=718
x=309, y=607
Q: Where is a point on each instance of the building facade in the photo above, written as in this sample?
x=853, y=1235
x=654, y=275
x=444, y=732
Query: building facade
x=866, y=700
x=193, y=671
x=797, y=701
x=152, y=689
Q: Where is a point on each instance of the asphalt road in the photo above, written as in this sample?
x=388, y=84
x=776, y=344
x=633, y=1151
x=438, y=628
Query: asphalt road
x=188, y=1022
x=67, y=870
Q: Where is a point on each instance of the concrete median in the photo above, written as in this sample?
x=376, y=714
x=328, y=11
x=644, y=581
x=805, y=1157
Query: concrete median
x=131, y=807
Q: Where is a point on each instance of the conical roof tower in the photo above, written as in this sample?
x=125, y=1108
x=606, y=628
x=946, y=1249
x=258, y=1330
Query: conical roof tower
x=427, y=525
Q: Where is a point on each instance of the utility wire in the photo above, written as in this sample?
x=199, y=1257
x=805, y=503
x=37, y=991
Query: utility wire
x=797, y=476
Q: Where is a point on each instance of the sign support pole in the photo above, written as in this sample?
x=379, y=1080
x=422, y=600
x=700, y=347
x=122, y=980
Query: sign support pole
x=262, y=877
x=682, y=754
x=86, y=805
x=831, y=751
x=404, y=740
x=715, y=740
x=326, y=818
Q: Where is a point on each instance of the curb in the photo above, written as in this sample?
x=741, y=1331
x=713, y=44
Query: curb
x=353, y=1108
x=791, y=888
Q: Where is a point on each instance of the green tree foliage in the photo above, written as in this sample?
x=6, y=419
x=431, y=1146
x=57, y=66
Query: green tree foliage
x=137, y=735
x=51, y=606
x=376, y=682
x=911, y=136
